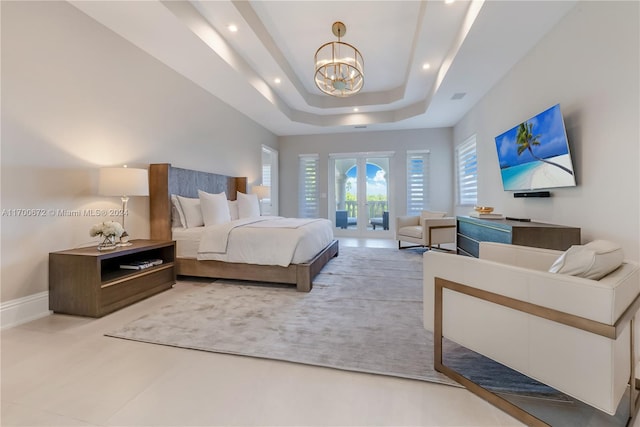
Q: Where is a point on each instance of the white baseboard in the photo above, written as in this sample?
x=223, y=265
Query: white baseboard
x=23, y=310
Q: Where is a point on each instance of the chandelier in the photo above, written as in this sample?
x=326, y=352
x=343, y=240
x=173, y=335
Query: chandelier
x=339, y=66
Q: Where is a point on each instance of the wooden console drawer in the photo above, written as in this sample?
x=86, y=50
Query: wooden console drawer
x=143, y=282
x=467, y=246
x=472, y=231
x=484, y=232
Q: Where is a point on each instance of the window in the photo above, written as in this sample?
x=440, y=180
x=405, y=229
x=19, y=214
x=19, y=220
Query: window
x=417, y=181
x=467, y=172
x=308, y=206
x=269, y=205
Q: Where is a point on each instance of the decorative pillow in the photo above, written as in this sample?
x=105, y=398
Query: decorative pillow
x=191, y=211
x=177, y=216
x=591, y=261
x=215, y=208
x=233, y=209
x=248, y=205
x=432, y=215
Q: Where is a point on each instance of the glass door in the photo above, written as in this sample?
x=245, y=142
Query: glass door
x=360, y=200
x=377, y=194
x=345, y=193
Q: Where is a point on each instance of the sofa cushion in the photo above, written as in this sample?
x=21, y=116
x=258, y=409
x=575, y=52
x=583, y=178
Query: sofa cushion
x=591, y=261
x=411, y=231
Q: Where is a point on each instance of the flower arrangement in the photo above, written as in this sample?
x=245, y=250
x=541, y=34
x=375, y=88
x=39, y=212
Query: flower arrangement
x=110, y=230
x=107, y=229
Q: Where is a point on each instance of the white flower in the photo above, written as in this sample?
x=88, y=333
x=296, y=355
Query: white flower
x=106, y=229
x=96, y=230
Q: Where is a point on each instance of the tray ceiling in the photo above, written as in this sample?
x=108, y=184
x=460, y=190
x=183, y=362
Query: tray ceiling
x=469, y=45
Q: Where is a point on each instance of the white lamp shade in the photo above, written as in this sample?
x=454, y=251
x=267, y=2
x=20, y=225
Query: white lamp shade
x=262, y=191
x=123, y=182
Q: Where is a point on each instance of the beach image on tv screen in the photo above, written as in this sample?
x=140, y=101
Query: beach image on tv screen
x=535, y=154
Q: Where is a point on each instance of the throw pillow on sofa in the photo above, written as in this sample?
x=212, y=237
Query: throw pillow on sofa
x=591, y=261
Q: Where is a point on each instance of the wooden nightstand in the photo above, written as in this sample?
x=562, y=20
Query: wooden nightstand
x=88, y=282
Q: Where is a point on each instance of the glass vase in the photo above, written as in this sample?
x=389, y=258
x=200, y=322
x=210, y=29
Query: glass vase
x=108, y=243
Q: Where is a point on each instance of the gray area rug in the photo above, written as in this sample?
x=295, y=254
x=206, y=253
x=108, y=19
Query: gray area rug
x=364, y=314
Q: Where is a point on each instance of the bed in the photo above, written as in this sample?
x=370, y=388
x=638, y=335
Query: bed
x=165, y=180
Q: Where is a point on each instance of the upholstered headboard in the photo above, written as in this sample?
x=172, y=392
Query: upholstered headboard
x=165, y=180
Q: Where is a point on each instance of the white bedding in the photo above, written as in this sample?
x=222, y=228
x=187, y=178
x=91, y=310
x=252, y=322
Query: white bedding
x=264, y=240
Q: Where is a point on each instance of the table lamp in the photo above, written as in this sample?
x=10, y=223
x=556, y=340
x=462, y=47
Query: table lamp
x=263, y=192
x=123, y=182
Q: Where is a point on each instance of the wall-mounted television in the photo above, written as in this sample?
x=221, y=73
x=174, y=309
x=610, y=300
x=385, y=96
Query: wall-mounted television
x=535, y=154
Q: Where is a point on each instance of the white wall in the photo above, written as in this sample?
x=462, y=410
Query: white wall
x=438, y=141
x=75, y=97
x=589, y=64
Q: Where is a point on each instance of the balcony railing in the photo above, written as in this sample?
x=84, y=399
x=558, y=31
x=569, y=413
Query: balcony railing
x=375, y=208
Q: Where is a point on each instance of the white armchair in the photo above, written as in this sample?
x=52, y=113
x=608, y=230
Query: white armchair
x=428, y=229
x=572, y=333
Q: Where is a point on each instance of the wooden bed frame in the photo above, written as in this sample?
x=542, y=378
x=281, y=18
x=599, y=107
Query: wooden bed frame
x=165, y=180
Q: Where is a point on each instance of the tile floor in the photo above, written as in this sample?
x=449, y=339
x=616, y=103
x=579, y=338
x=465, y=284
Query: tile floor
x=61, y=371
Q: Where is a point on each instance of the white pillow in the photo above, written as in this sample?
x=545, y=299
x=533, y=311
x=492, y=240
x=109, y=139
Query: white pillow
x=191, y=211
x=233, y=209
x=215, y=208
x=177, y=216
x=248, y=205
x=591, y=261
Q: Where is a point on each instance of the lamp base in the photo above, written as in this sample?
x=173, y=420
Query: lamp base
x=124, y=244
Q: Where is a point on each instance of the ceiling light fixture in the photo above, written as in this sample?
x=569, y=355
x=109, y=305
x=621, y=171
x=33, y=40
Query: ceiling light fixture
x=426, y=66
x=356, y=109
x=339, y=66
x=233, y=28
x=277, y=81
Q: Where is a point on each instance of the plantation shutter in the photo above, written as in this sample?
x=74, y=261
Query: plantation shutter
x=269, y=205
x=266, y=174
x=467, y=172
x=417, y=185
x=308, y=206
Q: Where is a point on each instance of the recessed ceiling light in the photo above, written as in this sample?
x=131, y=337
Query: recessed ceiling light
x=277, y=81
x=426, y=66
x=356, y=109
x=448, y=1
x=233, y=28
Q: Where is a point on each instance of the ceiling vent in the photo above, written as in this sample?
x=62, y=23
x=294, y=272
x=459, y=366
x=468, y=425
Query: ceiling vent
x=458, y=95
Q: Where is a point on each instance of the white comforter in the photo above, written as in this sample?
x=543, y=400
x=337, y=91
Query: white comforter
x=266, y=240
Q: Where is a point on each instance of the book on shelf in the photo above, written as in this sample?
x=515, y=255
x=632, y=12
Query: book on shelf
x=139, y=265
x=486, y=215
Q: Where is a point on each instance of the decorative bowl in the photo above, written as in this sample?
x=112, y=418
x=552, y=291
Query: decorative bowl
x=483, y=209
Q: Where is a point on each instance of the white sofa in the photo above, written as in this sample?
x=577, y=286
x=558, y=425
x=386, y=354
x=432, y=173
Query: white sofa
x=427, y=229
x=592, y=367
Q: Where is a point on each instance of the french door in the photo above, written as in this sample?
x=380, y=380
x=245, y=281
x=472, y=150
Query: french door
x=360, y=194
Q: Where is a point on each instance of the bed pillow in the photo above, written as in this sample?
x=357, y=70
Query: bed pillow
x=215, y=208
x=191, y=211
x=591, y=261
x=177, y=216
x=233, y=209
x=248, y=205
